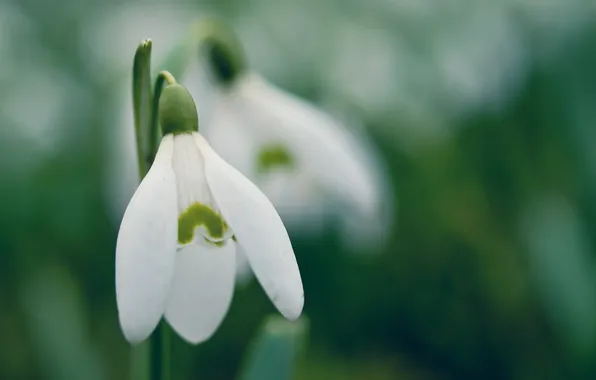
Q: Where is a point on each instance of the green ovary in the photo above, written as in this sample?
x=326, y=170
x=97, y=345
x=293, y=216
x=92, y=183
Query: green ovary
x=197, y=215
x=273, y=156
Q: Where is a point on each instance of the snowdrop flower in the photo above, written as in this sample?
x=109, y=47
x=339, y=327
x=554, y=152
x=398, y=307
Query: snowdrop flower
x=176, y=248
x=310, y=166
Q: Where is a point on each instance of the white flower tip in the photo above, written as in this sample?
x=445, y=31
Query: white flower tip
x=135, y=334
x=293, y=310
x=134, y=330
x=201, y=291
x=192, y=337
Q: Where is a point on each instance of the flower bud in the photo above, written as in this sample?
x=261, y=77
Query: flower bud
x=177, y=110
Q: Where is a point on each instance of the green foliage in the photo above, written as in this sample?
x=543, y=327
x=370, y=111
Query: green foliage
x=274, y=351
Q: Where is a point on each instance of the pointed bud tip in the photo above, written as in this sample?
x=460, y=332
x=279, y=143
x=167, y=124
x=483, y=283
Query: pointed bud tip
x=144, y=47
x=177, y=110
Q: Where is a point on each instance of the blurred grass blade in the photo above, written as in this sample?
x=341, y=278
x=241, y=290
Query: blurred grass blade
x=563, y=269
x=274, y=352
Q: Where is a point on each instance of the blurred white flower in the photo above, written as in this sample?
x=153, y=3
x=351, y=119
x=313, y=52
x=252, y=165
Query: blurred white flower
x=176, y=248
x=312, y=168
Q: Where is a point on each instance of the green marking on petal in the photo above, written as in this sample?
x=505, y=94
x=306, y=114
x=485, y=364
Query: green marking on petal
x=274, y=156
x=197, y=215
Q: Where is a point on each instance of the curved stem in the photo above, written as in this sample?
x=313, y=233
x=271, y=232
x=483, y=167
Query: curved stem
x=160, y=353
x=163, y=78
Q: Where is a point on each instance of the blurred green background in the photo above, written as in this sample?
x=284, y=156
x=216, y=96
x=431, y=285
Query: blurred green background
x=484, y=111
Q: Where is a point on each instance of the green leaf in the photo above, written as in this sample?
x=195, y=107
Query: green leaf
x=142, y=99
x=274, y=352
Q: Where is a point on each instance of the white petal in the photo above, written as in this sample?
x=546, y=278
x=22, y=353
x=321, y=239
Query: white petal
x=145, y=249
x=201, y=290
x=259, y=231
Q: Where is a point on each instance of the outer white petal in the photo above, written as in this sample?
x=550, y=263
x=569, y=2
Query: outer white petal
x=146, y=247
x=201, y=290
x=259, y=231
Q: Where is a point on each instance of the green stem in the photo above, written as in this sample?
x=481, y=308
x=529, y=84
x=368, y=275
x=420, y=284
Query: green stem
x=160, y=353
x=163, y=78
x=139, y=361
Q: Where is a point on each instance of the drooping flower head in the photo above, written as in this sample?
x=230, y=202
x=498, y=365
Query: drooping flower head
x=176, y=248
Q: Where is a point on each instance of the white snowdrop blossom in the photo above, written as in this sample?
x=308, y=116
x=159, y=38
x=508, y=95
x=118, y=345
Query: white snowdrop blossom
x=177, y=243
